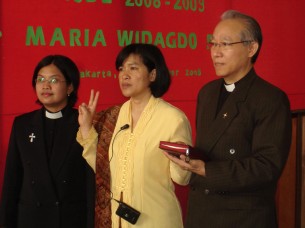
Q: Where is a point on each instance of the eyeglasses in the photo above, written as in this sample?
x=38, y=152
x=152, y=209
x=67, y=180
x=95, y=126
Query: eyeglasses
x=52, y=81
x=225, y=45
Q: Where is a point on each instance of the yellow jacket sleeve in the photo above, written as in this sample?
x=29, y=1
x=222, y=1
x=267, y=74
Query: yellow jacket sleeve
x=90, y=146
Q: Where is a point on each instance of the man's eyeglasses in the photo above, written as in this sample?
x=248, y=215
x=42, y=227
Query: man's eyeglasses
x=225, y=45
x=52, y=81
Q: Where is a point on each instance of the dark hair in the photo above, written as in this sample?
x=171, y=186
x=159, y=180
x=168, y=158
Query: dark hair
x=67, y=67
x=152, y=58
x=252, y=29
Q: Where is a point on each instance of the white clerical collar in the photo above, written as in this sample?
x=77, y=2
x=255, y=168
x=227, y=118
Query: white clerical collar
x=55, y=115
x=230, y=88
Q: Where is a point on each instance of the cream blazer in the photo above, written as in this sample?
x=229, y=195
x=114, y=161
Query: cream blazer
x=140, y=170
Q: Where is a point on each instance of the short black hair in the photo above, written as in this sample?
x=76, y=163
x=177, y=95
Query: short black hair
x=67, y=67
x=152, y=58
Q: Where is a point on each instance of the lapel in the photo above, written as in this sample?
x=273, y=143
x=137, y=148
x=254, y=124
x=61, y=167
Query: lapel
x=64, y=140
x=38, y=152
x=228, y=112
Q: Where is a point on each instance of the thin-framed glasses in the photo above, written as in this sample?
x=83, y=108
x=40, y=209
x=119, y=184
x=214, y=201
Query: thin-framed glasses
x=226, y=45
x=52, y=81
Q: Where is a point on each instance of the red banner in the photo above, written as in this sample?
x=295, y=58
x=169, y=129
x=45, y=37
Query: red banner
x=92, y=32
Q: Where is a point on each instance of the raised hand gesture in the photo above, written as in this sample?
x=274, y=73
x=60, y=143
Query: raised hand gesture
x=86, y=113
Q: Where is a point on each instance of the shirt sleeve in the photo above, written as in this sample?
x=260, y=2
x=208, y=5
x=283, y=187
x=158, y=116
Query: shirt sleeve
x=180, y=176
x=182, y=133
x=90, y=146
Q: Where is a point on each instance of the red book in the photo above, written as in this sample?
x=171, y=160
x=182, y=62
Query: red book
x=177, y=149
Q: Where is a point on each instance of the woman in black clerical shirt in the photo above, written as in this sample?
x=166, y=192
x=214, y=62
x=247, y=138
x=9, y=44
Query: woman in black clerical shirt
x=47, y=183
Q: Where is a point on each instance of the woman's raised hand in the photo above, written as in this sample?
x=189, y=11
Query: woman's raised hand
x=86, y=113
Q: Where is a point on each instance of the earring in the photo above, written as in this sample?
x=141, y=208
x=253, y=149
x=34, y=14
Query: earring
x=68, y=94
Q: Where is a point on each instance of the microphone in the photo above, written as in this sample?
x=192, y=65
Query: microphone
x=124, y=127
